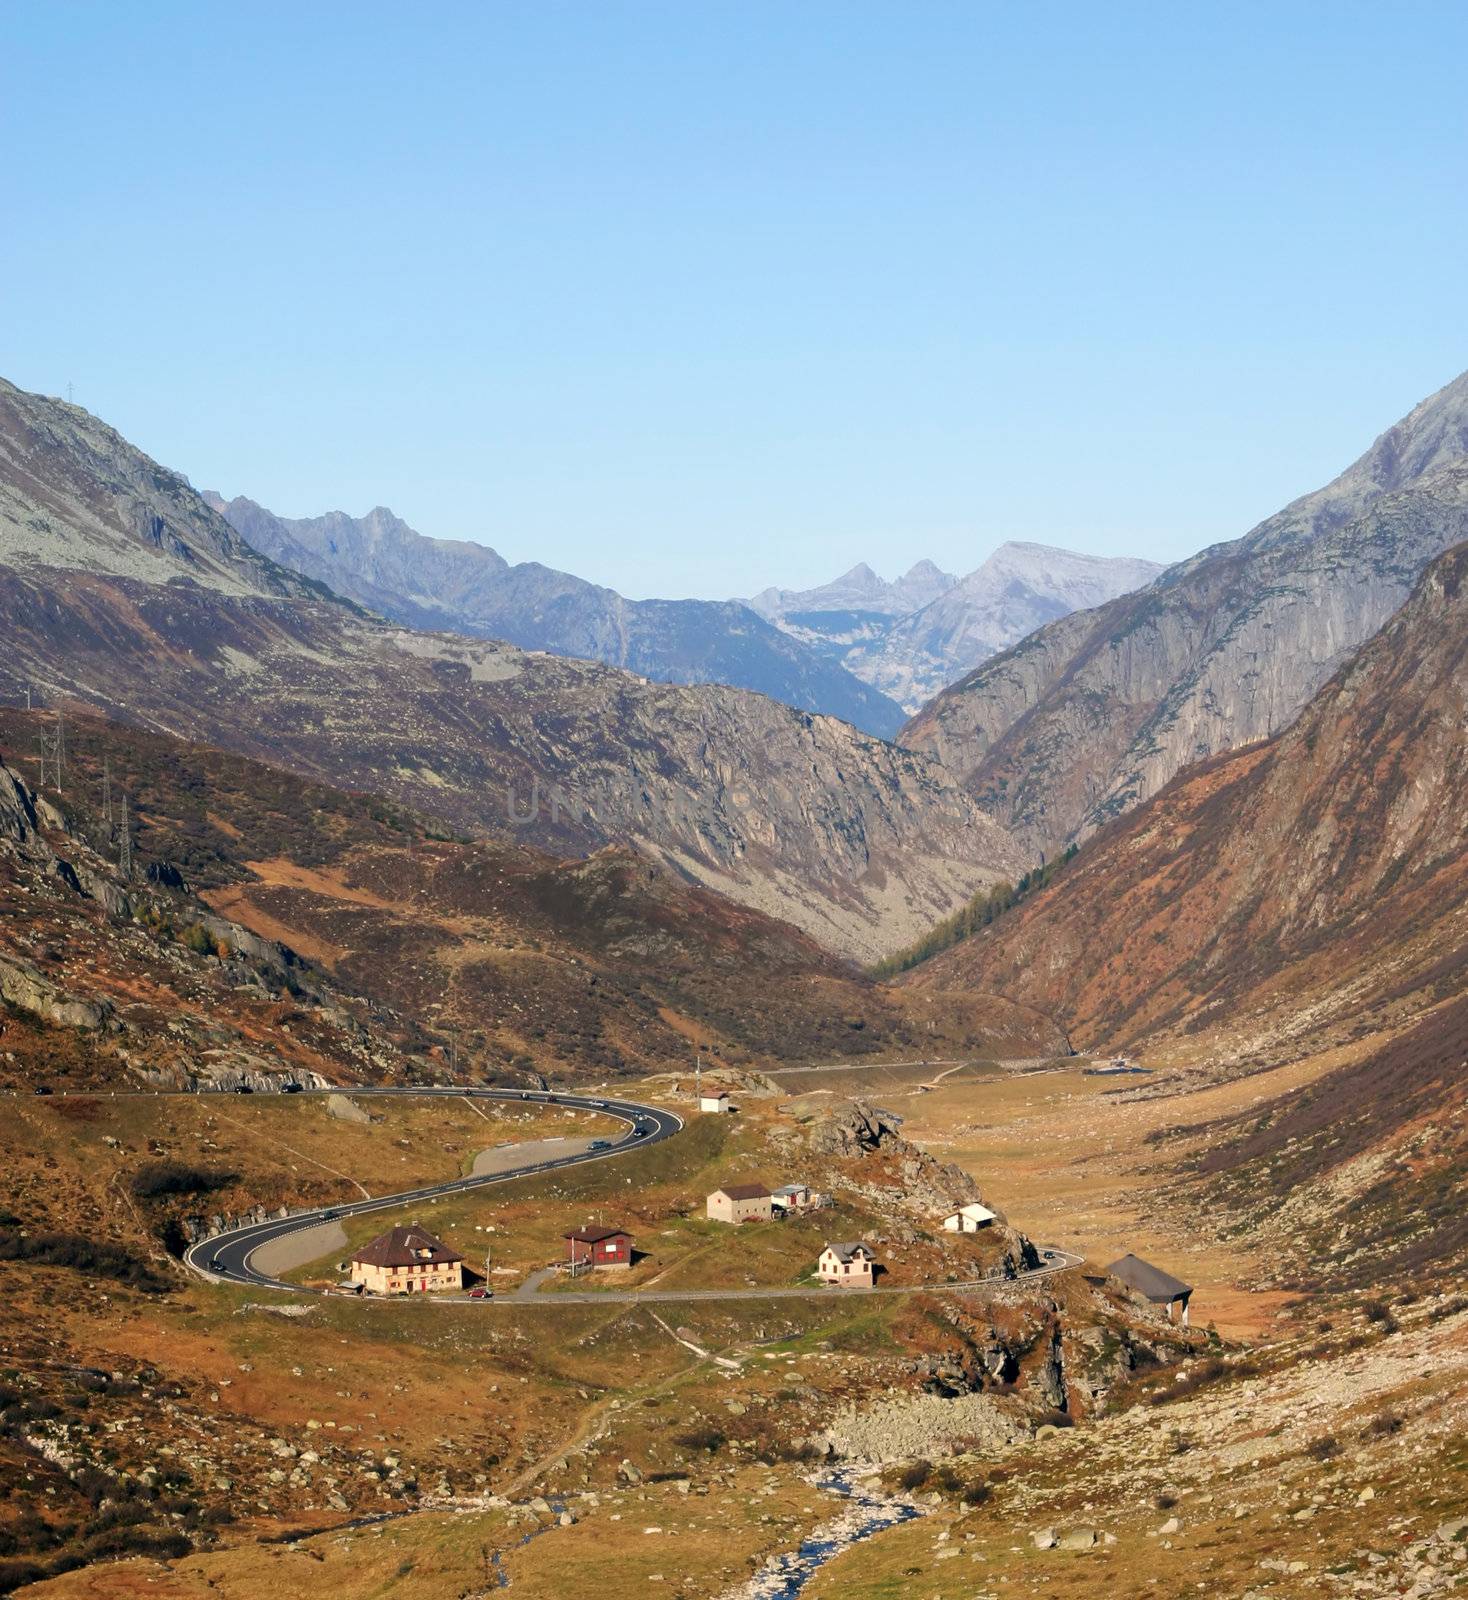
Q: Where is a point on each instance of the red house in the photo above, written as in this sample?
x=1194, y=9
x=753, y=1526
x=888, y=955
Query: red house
x=599, y=1247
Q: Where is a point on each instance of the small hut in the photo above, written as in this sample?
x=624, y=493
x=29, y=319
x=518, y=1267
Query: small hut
x=1153, y=1284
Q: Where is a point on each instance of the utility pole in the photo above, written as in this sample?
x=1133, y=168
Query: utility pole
x=125, y=846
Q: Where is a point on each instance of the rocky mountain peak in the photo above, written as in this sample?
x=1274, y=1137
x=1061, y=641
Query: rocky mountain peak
x=1100, y=708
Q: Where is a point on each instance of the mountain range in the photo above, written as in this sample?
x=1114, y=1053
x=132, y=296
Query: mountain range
x=458, y=586
x=122, y=591
x=911, y=638
x=1096, y=711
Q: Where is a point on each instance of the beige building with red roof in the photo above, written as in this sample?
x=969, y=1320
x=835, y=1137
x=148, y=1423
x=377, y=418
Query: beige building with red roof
x=407, y=1260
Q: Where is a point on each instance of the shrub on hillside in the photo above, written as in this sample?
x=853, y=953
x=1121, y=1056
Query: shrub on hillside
x=82, y=1255
x=173, y=1177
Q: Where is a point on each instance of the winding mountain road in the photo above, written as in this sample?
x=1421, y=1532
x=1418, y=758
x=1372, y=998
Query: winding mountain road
x=228, y=1257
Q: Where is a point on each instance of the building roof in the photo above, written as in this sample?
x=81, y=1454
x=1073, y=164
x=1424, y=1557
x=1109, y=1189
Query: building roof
x=976, y=1211
x=406, y=1247
x=743, y=1191
x=791, y=1188
x=1149, y=1281
x=850, y=1251
x=596, y=1235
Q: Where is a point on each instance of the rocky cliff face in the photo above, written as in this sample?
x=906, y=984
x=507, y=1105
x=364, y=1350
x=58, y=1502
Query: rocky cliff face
x=858, y=842
x=1311, y=887
x=1097, y=711
x=461, y=587
x=911, y=638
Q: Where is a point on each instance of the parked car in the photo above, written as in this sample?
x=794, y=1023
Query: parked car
x=44, y=1088
x=481, y=1294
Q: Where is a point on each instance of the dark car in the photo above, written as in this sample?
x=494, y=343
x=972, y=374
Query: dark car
x=330, y=1216
x=600, y=1144
x=44, y=1088
x=214, y=1264
x=244, y=1088
x=290, y=1088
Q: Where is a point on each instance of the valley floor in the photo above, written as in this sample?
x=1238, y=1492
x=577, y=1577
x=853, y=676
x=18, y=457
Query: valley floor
x=1312, y=1446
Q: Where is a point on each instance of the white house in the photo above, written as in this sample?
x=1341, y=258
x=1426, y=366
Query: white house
x=969, y=1218
x=848, y=1266
x=713, y=1102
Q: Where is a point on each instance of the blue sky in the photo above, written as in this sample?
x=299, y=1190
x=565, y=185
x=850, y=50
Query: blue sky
x=692, y=298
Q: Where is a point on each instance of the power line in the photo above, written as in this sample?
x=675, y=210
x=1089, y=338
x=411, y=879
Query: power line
x=125, y=845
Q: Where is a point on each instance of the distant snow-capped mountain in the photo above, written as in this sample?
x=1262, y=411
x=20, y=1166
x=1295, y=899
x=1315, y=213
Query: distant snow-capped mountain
x=911, y=638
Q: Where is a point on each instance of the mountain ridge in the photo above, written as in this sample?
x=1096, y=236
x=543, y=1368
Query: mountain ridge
x=459, y=586
x=912, y=638
x=1097, y=710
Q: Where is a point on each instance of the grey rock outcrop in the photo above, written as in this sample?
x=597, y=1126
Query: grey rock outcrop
x=26, y=988
x=854, y=1128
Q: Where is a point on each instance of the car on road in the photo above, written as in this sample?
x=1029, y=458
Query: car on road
x=244, y=1088
x=44, y=1088
x=600, y=1144
x=290, y=1088
x=481, y=1294
x=330, y=1216
x=1047, y=1255
x=214, y=1265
